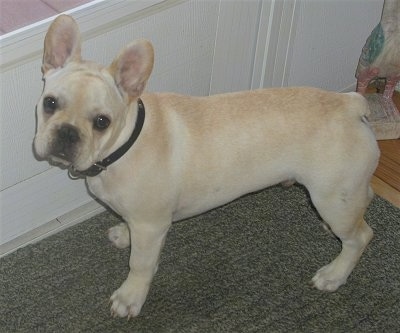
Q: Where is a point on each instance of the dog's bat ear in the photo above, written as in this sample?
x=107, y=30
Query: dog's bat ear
x=62, y=43
x=132, y=67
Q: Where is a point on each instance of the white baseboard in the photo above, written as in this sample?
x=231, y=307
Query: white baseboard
x=76, y=216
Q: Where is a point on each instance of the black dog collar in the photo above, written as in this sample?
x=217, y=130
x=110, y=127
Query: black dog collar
x=98, y=167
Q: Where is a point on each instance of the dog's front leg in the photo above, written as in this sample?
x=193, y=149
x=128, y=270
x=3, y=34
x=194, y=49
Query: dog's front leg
x=147, y=239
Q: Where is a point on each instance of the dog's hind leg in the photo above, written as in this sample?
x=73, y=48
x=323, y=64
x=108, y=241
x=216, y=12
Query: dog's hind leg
x=343, y=211
x=119, y=235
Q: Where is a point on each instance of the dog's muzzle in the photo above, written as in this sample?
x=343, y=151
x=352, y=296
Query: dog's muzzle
x=65, y=142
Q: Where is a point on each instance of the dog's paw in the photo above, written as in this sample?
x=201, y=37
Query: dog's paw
x=119, y=235
x=126, y=303
x=327, y=279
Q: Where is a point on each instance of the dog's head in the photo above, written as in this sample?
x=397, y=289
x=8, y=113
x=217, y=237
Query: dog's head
x=84, y=107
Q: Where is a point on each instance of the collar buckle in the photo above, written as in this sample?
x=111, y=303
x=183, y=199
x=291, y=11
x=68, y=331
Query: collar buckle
x=98, y=165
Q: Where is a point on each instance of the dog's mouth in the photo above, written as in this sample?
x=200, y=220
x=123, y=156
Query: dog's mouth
x=60, y=160
x=63, y=161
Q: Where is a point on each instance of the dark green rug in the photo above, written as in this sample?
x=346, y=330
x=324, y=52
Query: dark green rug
x=244, y=267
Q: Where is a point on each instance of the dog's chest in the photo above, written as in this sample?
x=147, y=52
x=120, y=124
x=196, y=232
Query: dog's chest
x=101, y=190
x=113, y=193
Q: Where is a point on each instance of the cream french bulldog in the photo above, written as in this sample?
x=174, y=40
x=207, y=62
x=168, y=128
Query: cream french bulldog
x=158, y=158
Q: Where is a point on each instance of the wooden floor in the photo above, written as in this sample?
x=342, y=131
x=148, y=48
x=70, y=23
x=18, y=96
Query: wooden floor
x=386, y=181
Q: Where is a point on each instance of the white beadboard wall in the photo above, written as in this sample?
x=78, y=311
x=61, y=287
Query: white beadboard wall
x=329, y=37
x=201, y=47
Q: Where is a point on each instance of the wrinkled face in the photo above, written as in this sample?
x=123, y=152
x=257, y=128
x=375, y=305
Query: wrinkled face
x=84, y=106
x=80, y=115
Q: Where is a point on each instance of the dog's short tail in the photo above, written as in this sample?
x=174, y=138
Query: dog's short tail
x=360, y=107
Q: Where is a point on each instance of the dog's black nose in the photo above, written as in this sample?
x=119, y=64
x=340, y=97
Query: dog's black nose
x=68, y=134
x=65, y=141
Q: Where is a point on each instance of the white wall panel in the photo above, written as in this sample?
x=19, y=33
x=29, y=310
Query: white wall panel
x=235, y=46
x=183, y=38
x=20, y=89
x=38, y=200
x=276, y=34
x=329, y=37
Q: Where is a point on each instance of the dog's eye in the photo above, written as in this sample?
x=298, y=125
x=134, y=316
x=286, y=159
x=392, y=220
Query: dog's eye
x=50, y=104
x=101, y=122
